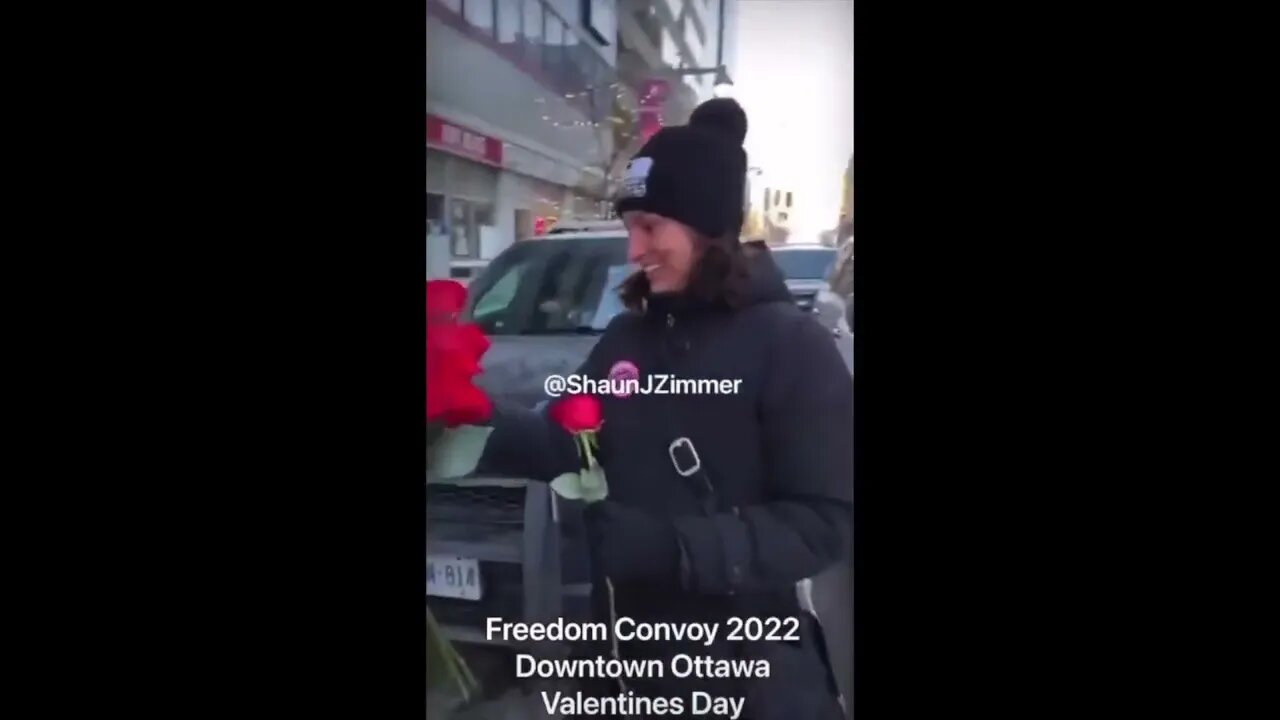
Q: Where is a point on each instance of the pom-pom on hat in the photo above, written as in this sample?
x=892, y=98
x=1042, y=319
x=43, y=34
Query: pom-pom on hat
x=693, y=173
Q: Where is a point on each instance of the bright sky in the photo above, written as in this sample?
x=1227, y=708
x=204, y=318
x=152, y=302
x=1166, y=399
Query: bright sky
x=794, y=79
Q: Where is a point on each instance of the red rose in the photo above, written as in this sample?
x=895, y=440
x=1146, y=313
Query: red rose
x=475, y=338
x=452, y=398
x=468, y=405
x=456, y=349
x=445, y=298
x=453, y=359
x=455, y=400
x=578, y=413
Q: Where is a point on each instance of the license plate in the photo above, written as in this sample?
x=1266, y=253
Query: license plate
x=453, y=577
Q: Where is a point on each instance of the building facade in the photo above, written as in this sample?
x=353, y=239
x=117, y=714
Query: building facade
x=533, y=107
x=519, y=96
x=777, y=204
x=657, y=36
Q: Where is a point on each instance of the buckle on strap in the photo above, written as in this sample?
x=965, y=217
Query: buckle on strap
x=684, y=443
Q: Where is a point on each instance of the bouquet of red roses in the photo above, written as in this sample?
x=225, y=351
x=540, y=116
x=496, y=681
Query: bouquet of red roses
x=455, y=406
x=454, y=441
x=454, y=350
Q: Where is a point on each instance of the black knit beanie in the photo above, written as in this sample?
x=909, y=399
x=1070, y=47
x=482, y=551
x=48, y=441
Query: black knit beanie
x=693, y=173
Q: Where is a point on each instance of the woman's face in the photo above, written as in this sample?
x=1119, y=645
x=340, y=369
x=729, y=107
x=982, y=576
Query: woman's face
x=665, y=249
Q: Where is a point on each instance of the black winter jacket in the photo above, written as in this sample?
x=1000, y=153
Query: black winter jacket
x=778, y=455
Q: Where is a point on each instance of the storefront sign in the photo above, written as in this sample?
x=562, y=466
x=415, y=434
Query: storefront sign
x=444, y=135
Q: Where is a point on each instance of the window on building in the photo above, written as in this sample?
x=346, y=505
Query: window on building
x=466, y=218
x=482, y=216
x=777, y=197
x=768, y=195
x=602, y=75
x=552, y=44
x=577, y=68
x=479, y=14
x=456, y=225
x=435, y=214
x=788, y=199
x=693, y=35
x=508, y=21
x=670, y=50
x=533, y=31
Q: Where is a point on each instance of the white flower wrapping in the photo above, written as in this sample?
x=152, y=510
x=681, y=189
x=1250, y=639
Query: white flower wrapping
x=456, y=452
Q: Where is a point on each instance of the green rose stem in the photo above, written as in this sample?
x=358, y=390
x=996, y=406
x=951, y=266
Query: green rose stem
x=613, y=624
x=587, y=440
x=444, y=664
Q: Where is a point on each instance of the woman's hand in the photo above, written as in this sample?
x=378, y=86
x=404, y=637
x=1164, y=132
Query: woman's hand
x=629, y=544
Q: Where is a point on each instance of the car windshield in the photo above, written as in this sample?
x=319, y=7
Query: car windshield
x=805, y=264
x=551, y=287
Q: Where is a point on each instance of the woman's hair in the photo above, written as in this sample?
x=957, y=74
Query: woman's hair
x=719, y=276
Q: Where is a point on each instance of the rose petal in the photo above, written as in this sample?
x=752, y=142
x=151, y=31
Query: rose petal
x=578, y=413
x=474, y=338
x=445, y=297
x=468, y=405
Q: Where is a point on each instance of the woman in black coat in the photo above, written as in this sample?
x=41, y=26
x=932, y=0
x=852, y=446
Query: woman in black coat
x=718, y=504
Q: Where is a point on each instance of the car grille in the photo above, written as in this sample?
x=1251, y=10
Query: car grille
x=493, y=516
x=486, y=504
x=479, y=513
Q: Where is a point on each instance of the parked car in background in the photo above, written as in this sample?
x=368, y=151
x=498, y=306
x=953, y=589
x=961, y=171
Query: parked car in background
x=806, y=269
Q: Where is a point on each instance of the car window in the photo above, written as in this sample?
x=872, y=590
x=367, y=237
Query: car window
x=545, y=287
x=610, y=301
x=804, y=264
x=500, y=295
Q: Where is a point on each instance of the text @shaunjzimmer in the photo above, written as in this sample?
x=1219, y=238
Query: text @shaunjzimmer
x=656, y=384
x=681, y=665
